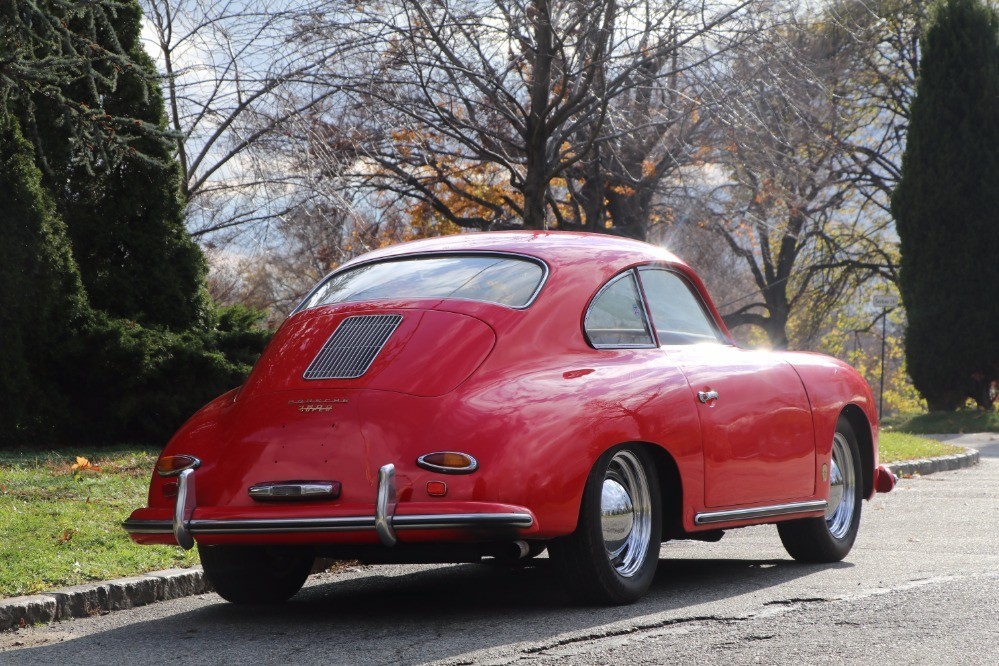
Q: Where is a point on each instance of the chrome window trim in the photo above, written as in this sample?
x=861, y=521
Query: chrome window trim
x=634, y=346
x=645, y=313
x=709, y=517
x=720, y=338
x=440, y=253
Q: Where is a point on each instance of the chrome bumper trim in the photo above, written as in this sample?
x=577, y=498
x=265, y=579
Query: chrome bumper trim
x=710, y=517
x=384, y=522
x=385, y=504
x=184, y=509
x=294, y=490
x=148, y=526
x=338, y=524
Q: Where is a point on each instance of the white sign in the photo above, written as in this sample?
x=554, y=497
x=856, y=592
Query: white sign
x=884, y=301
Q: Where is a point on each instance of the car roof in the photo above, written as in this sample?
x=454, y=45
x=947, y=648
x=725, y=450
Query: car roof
x=554, y=247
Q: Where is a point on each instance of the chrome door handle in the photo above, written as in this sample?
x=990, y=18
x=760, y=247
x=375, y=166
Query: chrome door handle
x=707, y=396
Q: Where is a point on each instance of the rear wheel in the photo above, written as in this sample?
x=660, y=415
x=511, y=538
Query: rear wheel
x=253, y=574
x=830, y=537
x=612, y=556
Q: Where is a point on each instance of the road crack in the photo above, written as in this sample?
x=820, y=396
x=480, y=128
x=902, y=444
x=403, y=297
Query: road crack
x=795, y=601
x=626, y=631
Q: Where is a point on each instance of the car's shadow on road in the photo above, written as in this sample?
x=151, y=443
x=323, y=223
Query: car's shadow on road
x=416, y=616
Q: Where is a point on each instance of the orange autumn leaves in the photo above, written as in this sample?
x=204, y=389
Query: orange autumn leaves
x=83, y=465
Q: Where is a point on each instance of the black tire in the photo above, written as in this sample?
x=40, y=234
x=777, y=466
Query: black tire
x=829, y=538
x=612, y=556
x=253, y=574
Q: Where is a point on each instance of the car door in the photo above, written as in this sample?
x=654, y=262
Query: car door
x=756, y=424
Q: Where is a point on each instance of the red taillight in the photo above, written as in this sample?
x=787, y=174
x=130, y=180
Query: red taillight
x=174, y=465
x=448, y=462
x=436, y=488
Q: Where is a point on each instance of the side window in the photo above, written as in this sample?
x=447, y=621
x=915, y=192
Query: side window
x=616, y=317
x=677, y=314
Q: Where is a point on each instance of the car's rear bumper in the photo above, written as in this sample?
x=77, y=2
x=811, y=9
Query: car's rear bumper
x=423, y=521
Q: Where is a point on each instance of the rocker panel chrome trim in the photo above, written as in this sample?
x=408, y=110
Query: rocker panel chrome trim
x=710, y=517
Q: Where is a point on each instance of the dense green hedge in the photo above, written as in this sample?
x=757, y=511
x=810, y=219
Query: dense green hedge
x=140, y=384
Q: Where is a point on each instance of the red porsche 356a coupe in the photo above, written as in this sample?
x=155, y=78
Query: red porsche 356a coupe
x=497, y=394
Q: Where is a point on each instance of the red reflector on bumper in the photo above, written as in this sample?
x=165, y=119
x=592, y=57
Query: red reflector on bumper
x=884, y=480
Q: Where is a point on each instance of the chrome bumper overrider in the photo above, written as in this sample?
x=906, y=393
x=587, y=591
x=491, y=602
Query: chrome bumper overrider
x=384, y=522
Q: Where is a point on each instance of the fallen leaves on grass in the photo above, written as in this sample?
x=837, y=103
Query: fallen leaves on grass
x=84, y=465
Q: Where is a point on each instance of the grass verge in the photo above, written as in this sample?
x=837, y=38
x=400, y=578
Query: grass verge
x=961, y=421
x=62, y=526
x=898, y=447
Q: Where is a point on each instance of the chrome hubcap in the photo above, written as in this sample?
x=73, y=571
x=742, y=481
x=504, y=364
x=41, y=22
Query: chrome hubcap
x=625, y=513
x=842, y=488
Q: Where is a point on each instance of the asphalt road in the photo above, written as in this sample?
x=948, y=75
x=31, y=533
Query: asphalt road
x=918, y=588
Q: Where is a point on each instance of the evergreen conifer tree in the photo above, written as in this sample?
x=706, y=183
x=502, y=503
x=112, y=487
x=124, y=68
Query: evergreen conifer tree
x=75, y=82
x=42, y=298
x=946, y=207
x=125, y=212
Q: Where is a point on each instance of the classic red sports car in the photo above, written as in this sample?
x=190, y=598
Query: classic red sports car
x=496, y=394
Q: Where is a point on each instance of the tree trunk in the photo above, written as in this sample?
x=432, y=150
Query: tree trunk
x=536, y=129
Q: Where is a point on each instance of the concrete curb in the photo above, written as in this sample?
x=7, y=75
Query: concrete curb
x=930, y=465
x=100, y=598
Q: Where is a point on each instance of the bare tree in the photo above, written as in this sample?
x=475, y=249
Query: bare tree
x=652, y=131
x=236, y=72
x=490, y=112
x=782, y=197
x=884, y=38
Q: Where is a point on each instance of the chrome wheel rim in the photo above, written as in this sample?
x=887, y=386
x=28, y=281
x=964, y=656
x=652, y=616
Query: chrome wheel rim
x=842, y=488
x=625, y=513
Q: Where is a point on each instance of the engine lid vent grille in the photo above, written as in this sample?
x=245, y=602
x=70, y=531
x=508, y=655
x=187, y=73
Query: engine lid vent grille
x=353, y=347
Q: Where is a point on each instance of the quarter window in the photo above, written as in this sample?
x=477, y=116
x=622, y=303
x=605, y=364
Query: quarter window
x=616, y=317
x=677, y=313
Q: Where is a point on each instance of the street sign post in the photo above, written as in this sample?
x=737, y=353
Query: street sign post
x=886, y=303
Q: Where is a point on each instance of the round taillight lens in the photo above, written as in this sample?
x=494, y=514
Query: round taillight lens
x=174, y=465
x=448, y=462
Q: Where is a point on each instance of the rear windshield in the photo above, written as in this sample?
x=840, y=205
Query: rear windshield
x=495, y=279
